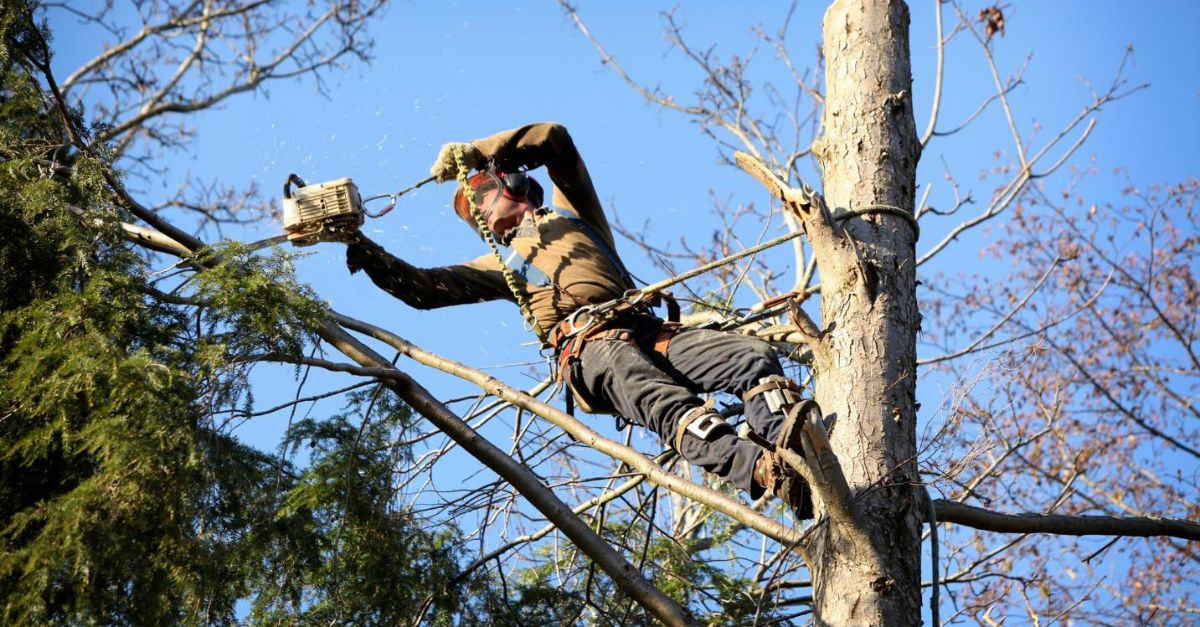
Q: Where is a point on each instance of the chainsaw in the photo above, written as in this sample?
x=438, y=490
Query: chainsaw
x=324, y=211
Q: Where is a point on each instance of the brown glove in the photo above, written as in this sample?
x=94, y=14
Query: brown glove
x=445, y=167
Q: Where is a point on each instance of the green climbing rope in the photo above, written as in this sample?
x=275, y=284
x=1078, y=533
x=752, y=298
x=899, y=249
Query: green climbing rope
x=509, y=279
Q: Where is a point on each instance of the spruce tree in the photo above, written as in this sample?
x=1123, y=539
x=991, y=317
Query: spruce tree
x=125, y=497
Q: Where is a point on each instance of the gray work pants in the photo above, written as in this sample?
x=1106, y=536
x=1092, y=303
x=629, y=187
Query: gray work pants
x=656, y=392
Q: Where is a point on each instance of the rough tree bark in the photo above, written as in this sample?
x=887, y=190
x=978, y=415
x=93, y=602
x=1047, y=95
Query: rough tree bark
x=869, y=317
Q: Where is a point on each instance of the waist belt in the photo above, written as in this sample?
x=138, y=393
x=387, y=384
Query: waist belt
x=584, y=325
x=586, y=322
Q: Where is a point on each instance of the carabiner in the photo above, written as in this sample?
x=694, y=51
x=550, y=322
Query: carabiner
x=633, y=297
x=391, y=204
x=574, y=327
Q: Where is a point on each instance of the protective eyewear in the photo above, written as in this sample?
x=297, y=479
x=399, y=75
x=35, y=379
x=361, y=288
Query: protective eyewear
x=514, y=186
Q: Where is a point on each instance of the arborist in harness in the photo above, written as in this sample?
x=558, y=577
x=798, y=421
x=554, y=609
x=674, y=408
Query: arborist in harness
x=560, y=264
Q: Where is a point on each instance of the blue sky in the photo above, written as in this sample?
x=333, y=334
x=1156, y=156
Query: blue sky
x=456, y=71
x=453, y=71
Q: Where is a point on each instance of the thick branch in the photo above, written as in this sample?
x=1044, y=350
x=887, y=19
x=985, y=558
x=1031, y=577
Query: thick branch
x=1066, y=525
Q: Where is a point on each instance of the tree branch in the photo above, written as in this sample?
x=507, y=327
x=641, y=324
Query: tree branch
x=582, y=433
x=1060, y=524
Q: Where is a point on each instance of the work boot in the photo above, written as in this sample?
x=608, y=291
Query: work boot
x=776, y=475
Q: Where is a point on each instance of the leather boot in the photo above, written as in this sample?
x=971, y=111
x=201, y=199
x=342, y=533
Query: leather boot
x=777, y=476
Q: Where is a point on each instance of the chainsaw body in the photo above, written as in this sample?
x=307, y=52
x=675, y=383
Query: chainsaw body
x=313, y=212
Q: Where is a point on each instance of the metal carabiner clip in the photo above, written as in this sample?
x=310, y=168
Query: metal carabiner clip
x=391, y=204
x=574, y=327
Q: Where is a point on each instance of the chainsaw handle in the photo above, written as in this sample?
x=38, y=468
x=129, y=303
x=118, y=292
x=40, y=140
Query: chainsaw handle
x=287, y=184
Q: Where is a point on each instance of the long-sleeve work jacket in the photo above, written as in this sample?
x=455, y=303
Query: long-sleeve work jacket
x=579, y=271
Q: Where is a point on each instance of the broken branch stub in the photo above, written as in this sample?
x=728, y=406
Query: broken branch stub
x=769, y=180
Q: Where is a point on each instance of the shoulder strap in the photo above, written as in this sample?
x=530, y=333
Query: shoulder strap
x=530, y=273
x=523, y=267
x=598, y=241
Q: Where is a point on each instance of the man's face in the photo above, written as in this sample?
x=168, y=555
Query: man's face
x=503, y=213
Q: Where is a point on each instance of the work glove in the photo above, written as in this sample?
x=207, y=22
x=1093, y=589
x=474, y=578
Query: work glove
x=362, y=253
x=445, y=168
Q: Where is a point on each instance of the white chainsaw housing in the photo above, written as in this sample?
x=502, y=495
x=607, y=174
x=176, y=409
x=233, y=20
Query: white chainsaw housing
x=316, y=209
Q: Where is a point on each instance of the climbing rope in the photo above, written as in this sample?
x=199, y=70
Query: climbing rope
x=885, y=210
x=635, y=297
x=490, y=238
x=653, y=288
x=814, y=198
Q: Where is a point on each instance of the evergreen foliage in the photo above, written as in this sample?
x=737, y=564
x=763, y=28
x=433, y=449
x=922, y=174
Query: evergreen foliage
x=337, y=553
x=124, y=497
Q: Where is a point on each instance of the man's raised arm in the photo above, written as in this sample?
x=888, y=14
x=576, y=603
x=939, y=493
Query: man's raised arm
x=549, y=144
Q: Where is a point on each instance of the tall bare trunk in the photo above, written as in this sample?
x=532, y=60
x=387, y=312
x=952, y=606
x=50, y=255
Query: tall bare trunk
x=869, y=157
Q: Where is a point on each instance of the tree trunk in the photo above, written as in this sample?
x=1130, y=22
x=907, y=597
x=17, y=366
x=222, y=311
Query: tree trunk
x=869, y=315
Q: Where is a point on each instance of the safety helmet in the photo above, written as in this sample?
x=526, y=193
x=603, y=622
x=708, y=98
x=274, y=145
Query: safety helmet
x=516, y=185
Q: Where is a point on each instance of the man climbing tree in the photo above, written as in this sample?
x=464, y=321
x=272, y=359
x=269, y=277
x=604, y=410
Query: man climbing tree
x=561, y=267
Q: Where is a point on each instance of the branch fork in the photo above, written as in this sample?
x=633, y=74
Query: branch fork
x=824, y=473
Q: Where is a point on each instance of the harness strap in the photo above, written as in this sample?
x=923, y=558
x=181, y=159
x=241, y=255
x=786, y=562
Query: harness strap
x=597, y=240
x=665, y=334
x=571, y=348
x=781, y=392
x=568, y=359
x=701, y=422
x=672, y=306
x=524, y=268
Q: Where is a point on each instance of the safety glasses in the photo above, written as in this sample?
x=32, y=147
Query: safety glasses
x=514, y=186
